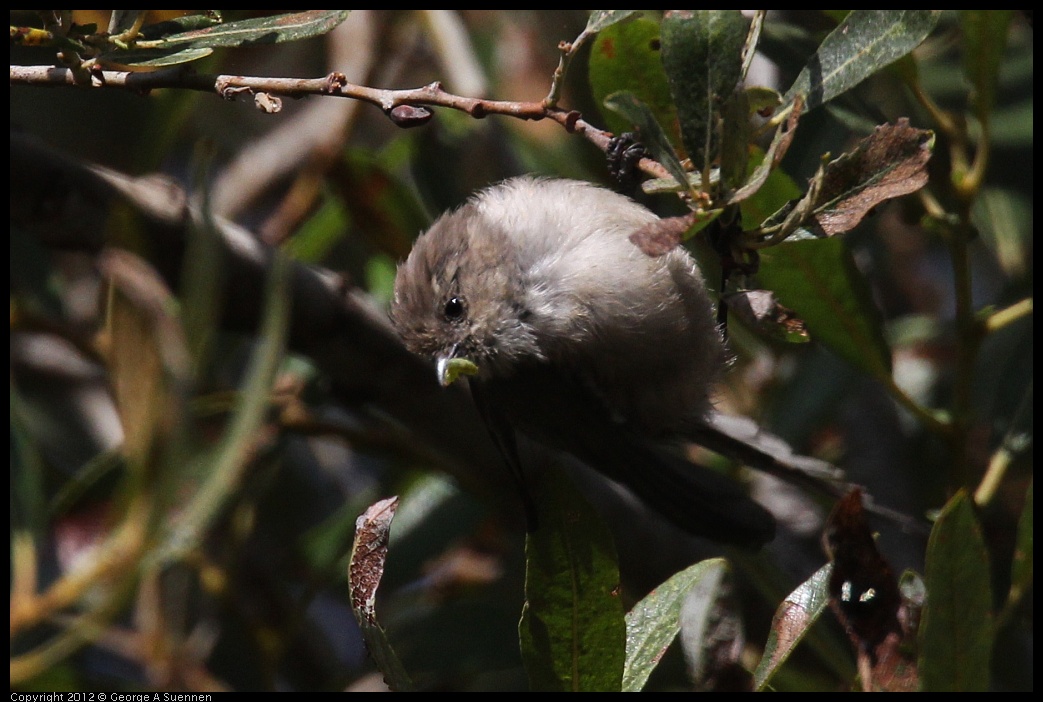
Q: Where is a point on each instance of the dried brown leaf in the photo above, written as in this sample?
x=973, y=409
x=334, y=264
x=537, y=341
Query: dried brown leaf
x=366, y=567
x=865, y=596
x=659, y=237
x=889, y=163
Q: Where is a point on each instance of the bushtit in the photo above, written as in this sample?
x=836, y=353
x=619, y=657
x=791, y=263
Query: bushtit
x=578, y=340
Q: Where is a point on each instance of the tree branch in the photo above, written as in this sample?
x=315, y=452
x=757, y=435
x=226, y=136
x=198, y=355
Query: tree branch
x=406, y=108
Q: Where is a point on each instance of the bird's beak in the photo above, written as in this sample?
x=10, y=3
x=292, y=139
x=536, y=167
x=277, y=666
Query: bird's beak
x=451, y=367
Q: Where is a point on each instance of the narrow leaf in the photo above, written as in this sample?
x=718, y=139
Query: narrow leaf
x=204, y=34
x=865, y=42
x=769, y=163
x=957, y=628
x=793, y=619
x=148, y=358
x=259, y=30
x=653, y=623
x=152, y=58
x=984, y=39
x=702, y=55
x=736, y=136
x=28, y=468
x=573, y=634
x=818, y=279
x=365, y=570
x=712, y=634
x=203, y=268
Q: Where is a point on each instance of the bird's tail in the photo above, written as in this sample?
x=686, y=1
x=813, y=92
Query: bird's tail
x=695, y=498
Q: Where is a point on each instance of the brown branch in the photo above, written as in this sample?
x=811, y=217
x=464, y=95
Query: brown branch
x=229, y=86
x=307, y=142
x=407, y=108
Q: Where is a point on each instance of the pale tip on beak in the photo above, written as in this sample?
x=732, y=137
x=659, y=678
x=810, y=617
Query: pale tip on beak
x=449, y=369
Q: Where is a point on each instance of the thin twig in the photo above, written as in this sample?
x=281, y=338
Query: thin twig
x=333, y=85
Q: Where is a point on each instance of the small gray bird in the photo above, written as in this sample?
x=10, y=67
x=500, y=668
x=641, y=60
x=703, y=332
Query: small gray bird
x=578, y=340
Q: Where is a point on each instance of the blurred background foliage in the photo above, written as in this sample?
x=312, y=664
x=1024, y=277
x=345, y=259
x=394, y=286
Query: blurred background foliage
x=193, y=492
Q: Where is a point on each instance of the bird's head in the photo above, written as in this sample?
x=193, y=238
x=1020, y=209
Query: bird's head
x=460, y=298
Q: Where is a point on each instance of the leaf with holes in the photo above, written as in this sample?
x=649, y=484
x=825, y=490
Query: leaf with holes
x=626, y=57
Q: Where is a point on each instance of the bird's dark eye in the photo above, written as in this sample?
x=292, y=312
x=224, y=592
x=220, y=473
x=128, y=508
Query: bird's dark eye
x=454, y=309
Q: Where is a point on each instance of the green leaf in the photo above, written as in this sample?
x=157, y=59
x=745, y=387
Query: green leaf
x=625, y=57
x=152, y=58
x=184, y=46
x=865, y=42
x=653, y=623
x=260, y=30
x=818, y=279
x=1021, y=568
x=702, y=55
x=28, y=468
x=955, y=638
x=792, y=622
x=984, y=39
x=736, y=135
x=652, y=135
x=572, y=629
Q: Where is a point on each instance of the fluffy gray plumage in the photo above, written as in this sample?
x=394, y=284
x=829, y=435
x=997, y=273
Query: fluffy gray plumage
x=581, y=340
